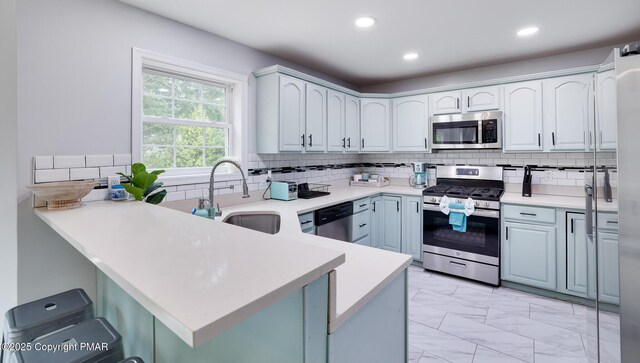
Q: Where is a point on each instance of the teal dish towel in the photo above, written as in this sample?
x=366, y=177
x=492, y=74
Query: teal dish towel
x=457, y=220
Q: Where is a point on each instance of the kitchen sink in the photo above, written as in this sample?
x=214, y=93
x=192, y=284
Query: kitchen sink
x=261, y=222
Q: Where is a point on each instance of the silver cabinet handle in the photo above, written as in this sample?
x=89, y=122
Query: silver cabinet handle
x=468, y=101
x=302, y=139
x=344, y=144
x=363, y=142
x=539, y=144
x=425, y=143
x=310, y=140
x=458, y=264
x=528, y=214
x=612, y=222
x=553, y=138
x=397, y=206
x=506, y=233
x=362, y=225
x=417, y=207
x=374, y=206
x=457, y=103
x=362, y=205
x=349, y=142
x=306, y=222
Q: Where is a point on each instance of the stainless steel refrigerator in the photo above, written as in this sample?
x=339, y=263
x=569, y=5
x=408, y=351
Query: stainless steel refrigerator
x=612, y=184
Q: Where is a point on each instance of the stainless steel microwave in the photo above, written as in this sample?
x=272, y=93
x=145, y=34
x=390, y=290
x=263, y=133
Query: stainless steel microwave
x=477, y=130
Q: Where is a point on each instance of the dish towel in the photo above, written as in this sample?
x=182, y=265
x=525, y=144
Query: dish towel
x=457, y=220
x=458, y=212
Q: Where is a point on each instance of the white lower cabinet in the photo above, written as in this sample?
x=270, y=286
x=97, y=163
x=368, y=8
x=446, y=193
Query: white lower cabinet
x=529, y=254
x=556, y=253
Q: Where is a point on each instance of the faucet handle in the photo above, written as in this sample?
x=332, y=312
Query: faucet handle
x=218, y=210
x=203, y=203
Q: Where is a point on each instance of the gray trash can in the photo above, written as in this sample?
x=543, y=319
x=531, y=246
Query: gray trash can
x=28, y=321
x=92, y=341
x=132, y=360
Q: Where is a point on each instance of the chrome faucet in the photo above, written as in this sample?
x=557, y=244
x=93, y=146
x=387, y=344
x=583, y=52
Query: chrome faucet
x=245, y=188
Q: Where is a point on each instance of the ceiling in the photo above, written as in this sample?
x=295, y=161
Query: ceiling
x=447, y=35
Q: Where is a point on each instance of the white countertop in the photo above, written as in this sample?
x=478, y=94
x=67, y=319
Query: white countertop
x=366, y=270
x=557, y=201
x=197, y=277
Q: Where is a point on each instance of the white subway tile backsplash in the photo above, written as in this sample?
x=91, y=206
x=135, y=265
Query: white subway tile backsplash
x=171, y=196
x=186, y=187
x=121, y=159
x=84, y=173
x=99, y=160
x=194, y=194
x=96, y=194
x=51, y=175
x=107, y=171
x=44, y=162
x=68, y=161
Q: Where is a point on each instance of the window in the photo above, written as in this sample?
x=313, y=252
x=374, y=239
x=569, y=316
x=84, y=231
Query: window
x=185, y=116
x=185, y=121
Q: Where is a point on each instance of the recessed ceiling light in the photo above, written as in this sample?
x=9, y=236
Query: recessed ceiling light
x=410, y=56
x=527, y=31
x=365, y=22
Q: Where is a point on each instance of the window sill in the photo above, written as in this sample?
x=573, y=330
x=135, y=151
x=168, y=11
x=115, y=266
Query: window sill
x=172, y=180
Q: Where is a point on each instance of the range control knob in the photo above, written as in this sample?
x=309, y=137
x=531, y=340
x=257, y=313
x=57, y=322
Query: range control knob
x=486, y=204
x=433, y=199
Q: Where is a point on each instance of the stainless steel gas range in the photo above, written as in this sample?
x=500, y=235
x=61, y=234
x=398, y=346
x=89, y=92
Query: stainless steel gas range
x=474, y=254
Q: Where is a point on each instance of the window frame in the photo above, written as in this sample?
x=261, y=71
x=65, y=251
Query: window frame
x=236, y=105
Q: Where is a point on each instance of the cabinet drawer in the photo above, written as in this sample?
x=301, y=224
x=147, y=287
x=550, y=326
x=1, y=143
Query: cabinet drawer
x=306, y=221
x=361, y=225
x=361, y=204
x=608, y=221
x=529, y=214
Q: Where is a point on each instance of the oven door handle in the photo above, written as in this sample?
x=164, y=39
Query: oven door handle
x=476, y=213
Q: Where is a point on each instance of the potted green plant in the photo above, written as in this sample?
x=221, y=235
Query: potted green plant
x=142, y=184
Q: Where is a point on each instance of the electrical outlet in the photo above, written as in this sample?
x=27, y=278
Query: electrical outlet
x=548, y=175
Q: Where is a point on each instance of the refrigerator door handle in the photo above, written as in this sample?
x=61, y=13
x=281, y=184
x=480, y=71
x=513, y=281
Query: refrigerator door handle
x=588, y=191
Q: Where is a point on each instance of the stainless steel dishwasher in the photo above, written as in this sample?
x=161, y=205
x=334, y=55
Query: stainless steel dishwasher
x=335, y=221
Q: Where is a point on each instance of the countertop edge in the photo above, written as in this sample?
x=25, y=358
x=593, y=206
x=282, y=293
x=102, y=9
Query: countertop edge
x=208, y=331
x=353, y=309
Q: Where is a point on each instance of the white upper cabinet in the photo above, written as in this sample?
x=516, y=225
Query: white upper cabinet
x=336, y=140
x=469, y=100
x=410, y=123
x=481, y=99
x=316, y=118
x=568, y=112
x=523, y=116
x=352, y=123
x=292, y=114
x=606, y=111
x=374, y=125
x=445, y=102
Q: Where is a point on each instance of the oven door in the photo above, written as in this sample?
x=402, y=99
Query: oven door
x=455, y=134
x=481, y=241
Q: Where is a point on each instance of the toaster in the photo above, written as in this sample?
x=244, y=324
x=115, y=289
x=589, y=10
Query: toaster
x=284, y=190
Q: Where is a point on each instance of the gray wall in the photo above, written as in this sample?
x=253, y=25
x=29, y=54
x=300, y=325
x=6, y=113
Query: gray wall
x=530, y=66
x=74, y=97
x=8, y=105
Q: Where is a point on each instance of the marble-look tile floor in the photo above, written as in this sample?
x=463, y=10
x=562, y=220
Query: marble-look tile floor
x=457, y=320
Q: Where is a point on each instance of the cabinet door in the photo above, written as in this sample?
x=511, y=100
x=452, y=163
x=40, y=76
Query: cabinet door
x=410, y=123
x=445, y=102
x=568, y=111
x=316, y=120
x=577, y=254
x=481, y=99
x=391, y=237
x=352, y=123
x=529, y=255
x=336, y=140
x=608, y=268
x=292, y=114
x=412, y=227
x=377, y=220
x=607, y=113
x=374, y=124
x=523, y=116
